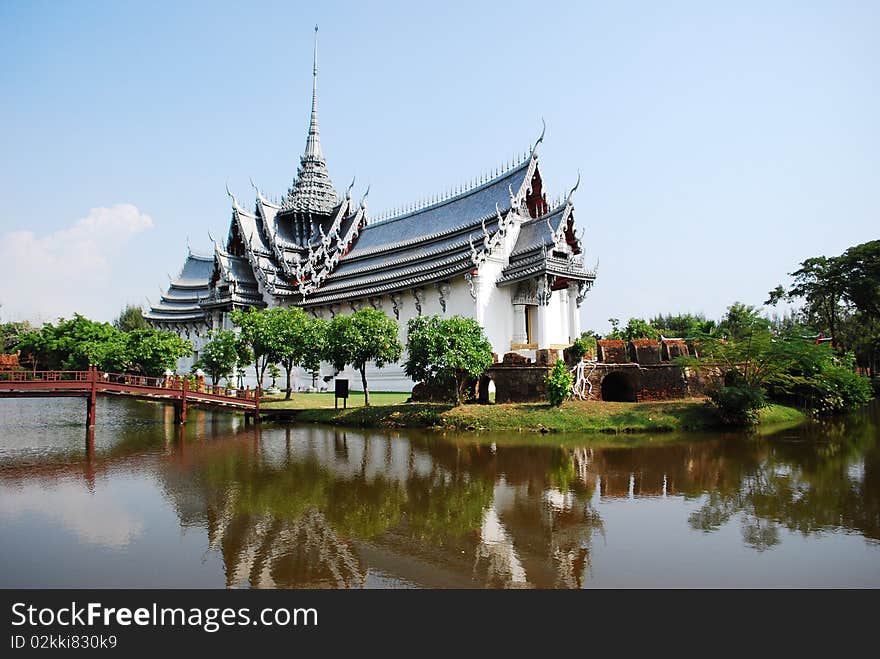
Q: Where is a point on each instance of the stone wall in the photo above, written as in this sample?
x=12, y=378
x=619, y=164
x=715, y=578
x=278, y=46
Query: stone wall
x=612, y=351
x=672, y=348
x=646, y=351
x=627, y=382
x=519, y=384
x=655, y=382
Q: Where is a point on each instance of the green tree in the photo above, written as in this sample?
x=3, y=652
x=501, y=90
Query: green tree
x=72, y=344
x=77, y=343
x=220, y=355
x=11, y=332
x=859, y=268
x=257, y=332
x=636, y=328
x=286, y=331
x=446, y=351
x=131, y=318
x=312, y=345
x=274, y=374
x=786, y=368
x=365, y=336
x=152, y=352
x=741, y=320
x=841, y=297
x=819, y=282
x=686, y=326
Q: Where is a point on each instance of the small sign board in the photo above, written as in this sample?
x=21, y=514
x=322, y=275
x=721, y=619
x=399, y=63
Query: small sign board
x=341, y=392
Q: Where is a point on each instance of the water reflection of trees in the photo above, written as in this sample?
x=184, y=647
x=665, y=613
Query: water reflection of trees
x=821, y=479
x=325, y=509
x=312, y=507
x=308, y=517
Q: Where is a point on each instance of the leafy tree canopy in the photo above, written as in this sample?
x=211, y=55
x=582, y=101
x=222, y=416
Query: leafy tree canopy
x=841, y=296
x=298, y=339
x=636, y=328
x=447, y=350
x=365, y=336
x=77, y=343
x=220, y=355
x=131, y=318
x=258, y=331
x=10, y=334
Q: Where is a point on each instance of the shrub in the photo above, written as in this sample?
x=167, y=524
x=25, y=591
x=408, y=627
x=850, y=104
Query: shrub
x=559, y=383
x=582, y=346
x=835, y=389
x=738, y=405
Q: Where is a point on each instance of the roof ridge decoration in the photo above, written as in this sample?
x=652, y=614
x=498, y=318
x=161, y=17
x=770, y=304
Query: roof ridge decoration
x=457, y=191
x=490, y=241
x=310, y=273
x=312, y=190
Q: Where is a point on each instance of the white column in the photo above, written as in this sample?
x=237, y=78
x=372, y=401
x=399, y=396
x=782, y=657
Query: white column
x=520, y=332
x=479, y=302
x=574, y=313
x=543, y=326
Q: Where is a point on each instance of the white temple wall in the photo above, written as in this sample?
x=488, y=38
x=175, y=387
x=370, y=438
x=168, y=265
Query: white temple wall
x=493, y=308
x=553, y=321
x=392, y=377
x=497, y=313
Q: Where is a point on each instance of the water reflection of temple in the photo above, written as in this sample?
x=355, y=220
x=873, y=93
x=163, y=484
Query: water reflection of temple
x=312, y=507
x=346, y=509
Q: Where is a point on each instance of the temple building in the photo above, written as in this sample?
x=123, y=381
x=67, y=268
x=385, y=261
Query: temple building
x=495, y=250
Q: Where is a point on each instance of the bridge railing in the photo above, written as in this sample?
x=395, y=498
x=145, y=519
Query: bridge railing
x=172, y=382
x=43, y=376
x=136, y=380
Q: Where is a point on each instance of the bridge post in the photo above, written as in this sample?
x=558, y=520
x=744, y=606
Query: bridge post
x=93, y=395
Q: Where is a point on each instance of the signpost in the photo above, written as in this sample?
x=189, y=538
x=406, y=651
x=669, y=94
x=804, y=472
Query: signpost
x=341, y=392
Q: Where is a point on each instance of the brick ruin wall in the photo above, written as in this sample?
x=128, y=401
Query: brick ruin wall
x=526, y=382
x=518, y=379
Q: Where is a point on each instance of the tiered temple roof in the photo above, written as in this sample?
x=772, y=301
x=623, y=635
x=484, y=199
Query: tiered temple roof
x=180, y=303
x=317, y=248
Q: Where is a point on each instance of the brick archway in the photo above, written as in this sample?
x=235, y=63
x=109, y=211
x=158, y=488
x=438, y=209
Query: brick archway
x=619, y=386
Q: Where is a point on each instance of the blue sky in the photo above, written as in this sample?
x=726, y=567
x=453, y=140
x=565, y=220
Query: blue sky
x=719, y=143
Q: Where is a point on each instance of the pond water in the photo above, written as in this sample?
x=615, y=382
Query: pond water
x=142, y=503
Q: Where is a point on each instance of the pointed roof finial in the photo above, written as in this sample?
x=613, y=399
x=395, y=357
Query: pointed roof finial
x=256, y=189
x=543, y=131
x=571, y=192
x=312, y=189
x=313, y=144
x=232, y=196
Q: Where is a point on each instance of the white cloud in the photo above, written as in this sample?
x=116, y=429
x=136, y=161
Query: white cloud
x=71, y=269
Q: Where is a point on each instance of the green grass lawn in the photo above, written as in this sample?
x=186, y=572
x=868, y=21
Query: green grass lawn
x=573, y=416
x=303, y=401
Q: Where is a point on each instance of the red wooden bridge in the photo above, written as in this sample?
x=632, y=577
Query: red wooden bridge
x=88, y=384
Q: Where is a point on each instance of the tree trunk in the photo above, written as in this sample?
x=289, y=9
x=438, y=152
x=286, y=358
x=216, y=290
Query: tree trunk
x=288, y=368
x=363, y=370
x=459, y=385
x=262, y=372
